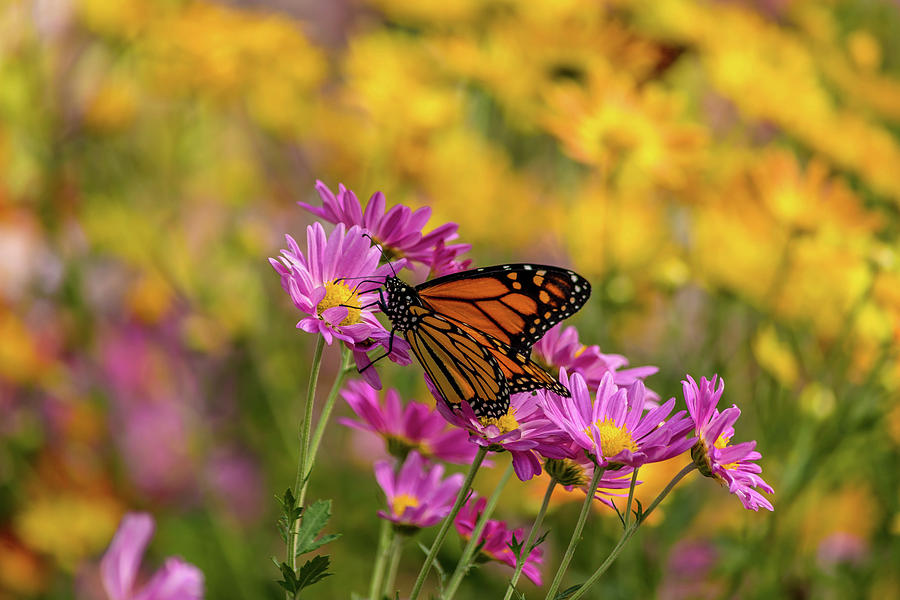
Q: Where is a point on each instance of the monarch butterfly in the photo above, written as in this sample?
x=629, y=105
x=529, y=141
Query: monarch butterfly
x=473, y=331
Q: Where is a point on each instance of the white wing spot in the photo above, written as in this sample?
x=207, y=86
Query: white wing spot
x=527, y=267
x=574, y=277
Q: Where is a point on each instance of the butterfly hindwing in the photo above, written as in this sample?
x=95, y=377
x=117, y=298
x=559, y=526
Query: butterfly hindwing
x=522, y=373
x=461, y=368
x=516, y=304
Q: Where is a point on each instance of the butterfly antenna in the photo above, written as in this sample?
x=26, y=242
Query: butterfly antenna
x=383, y=255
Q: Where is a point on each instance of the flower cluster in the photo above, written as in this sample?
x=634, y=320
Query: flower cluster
x=494, y=542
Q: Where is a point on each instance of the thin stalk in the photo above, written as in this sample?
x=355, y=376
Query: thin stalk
x=576, y=534
x=395, y=552
x=445, y=525
x=462, y=567
x=628, y=532
x=525, y=550
x=384, y=540
x=346, y=357
x=630, y=497
x=305, y=428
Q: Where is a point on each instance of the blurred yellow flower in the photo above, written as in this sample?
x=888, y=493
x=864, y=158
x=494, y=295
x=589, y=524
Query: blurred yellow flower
x=228, y=54
x=608, y=232
x=117, y=19
x=21, y=571
x=112, y=107
x=68, y=526
x=489, y=197
x=635, y=135
x=817, y=399
x=864, y=50
x=448, y=11
x=775, y=356
x=21, y=359
x=150, y=297
x=849, y=509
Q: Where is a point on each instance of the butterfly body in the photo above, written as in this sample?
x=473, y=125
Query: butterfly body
x=473, y=331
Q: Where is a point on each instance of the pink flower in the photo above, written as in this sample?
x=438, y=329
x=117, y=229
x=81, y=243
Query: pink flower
x=176, y=580
x=560, y=349
x=495, y=539
x=524, y=431
x=614, y=428
x=333, y=284
x=398, y=231
x=732, y=466
x=416, y=495
x=413, y=427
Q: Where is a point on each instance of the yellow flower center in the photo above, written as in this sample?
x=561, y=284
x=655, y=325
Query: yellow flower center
x=613, y=439
x=402, y=502
x=505, y=424
x=337, y=293
x=722, y=442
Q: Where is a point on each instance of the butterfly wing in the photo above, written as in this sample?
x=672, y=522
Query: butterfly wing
x=461, y=367
x=522, y=373
x=515, y=304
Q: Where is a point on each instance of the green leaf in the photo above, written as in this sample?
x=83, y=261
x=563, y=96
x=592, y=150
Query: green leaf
x=313, y=571
x=568, y=592
x=314, y=521
x=516, y=546
x=539, y=541
x=289, y=579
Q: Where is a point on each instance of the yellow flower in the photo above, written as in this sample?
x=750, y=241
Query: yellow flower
x=68, y=526
x=117, y=19
x=635, y=135
x=21, y=571
x=771, y=233
x=430, y=13
x=227, y=54
x=112, y=107
x=775, y=356
x=20, y=356
x=490, y=200
x=770, y=74
x=624, y=233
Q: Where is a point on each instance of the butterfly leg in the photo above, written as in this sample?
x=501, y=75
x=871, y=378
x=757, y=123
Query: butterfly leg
x=385, y=355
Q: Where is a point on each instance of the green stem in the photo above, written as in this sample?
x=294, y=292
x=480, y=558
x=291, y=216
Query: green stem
x=630, y=497
x=465, y=560
x=395, y=552
x=445, y=525
x=525, y=550
x=576, y=534
x=628, y=532
x=347, y=357
x=305, y=428
x=384, y=540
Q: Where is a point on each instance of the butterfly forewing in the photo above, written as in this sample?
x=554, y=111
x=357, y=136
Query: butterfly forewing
x=516, y=304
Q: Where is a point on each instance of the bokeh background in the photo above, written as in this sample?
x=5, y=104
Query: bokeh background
x=726, y=173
